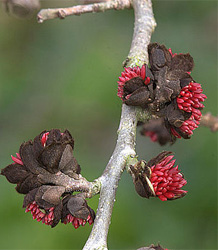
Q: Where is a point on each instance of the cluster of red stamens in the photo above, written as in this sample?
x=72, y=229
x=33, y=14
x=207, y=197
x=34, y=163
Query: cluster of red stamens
x=44, y=138
x=46, y=216
x=167, y=180
x=130, y=73
x=17, y=159
x=189, y=100
x=76, y=222
x=171, y=52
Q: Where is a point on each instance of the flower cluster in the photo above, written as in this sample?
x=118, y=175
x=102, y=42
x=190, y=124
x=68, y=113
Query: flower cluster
x=159, y=178
x=50, y=154
x=167, y=180
x=189, y=100
x=167, y=89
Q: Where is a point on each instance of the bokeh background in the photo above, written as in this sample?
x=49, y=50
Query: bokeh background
x=62, y=74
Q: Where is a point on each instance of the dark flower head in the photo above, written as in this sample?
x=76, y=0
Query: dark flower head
x=49, y=148
x=167, y=89
x=49, y=155
x=132, y=85
x=159, y=178
x=52, y=151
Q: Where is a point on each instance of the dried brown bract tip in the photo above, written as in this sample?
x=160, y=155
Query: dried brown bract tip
x=141, y=173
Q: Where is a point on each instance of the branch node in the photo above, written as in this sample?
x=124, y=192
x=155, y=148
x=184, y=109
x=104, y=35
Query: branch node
x=61, y=14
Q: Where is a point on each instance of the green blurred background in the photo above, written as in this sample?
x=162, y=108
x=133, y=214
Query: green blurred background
x=62, y=74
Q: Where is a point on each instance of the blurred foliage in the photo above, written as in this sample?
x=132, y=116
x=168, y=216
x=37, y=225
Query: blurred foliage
x=62, y=74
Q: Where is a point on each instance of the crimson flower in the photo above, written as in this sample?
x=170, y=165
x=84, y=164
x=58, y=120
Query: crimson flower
x=44, y=215
x=132, y=85
x=167, y=180
x=158, y=178
x=190, y=100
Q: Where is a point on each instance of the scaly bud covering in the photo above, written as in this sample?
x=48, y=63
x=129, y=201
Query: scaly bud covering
x=34, y=168
x=167, y=180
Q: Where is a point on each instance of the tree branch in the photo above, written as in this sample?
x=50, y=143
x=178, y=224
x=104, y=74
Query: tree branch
x=71, y=184
x=210, y=121
x=125, y=147
x=61, y=13
x=144, y=26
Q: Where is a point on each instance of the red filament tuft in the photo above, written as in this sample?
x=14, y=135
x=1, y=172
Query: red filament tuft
x=189, y=100
x=172, y=54
x=130, y=73
x=17, y=159
x=76, y=222
x=44, y=138
x=167, y=180
x=46, y=217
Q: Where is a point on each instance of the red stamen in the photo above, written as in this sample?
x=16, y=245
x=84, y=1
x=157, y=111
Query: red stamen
x=166, y=179
x=44, y=139
x=17, y=159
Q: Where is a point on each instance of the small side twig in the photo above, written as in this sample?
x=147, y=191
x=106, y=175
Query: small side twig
x=61, y=13
x=210, y=121
x=71, y=184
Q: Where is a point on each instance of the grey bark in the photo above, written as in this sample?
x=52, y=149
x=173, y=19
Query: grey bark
x=125, y=147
